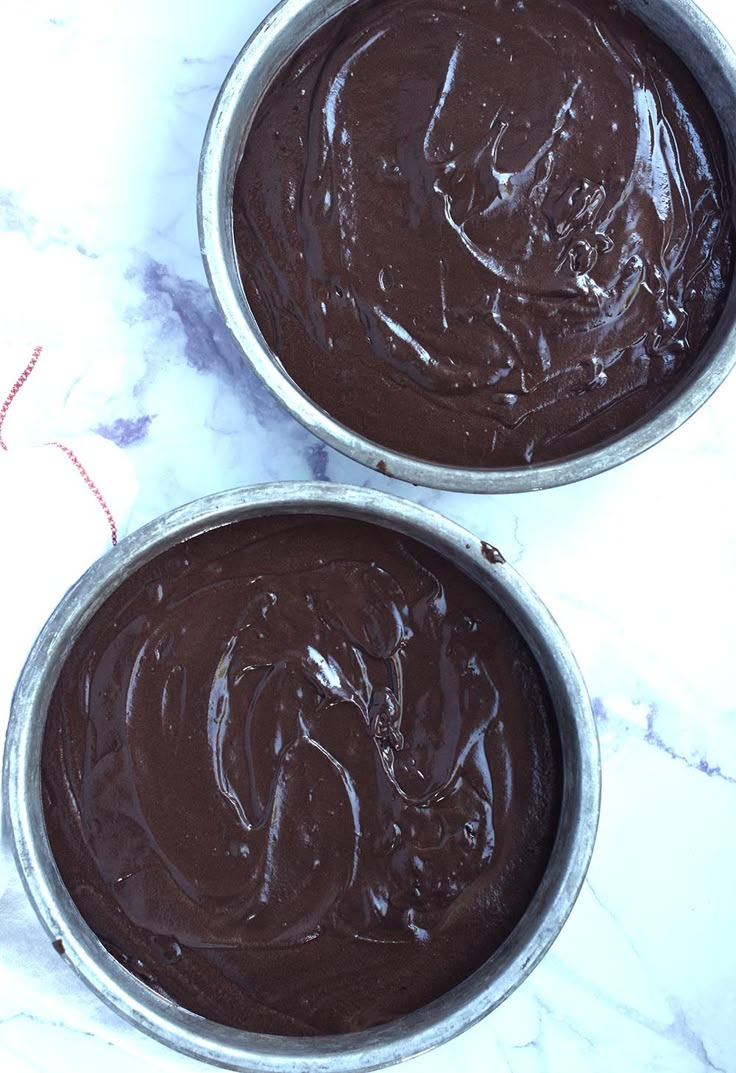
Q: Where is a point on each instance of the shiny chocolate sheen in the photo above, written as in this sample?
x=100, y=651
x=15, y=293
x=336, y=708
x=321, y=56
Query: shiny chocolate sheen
x=486, y=234
x=301, y=775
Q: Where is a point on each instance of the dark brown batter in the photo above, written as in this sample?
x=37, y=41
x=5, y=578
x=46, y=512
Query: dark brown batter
x=302, y=775
x=485, y=233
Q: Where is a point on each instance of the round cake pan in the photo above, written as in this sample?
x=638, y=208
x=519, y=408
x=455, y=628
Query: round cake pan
x=410, y=1035
x=678, y=22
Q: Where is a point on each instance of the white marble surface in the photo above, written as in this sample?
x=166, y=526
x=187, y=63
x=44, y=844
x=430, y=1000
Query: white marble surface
x=104, y=107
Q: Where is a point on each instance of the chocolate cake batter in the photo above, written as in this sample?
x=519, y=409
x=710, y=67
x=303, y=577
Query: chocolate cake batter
x=485, y=233
x=302, y=775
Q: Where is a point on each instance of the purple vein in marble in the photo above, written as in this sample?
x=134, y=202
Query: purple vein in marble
x=652, y=736
x=126, y=431
x=209, y=346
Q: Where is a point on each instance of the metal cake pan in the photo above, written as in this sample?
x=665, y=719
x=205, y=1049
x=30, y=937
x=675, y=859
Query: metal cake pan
x=407, y=1036
x=680, y=23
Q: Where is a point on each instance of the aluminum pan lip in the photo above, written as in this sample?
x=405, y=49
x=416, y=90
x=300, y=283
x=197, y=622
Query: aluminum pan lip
x=679, y=22
x=407, y=1036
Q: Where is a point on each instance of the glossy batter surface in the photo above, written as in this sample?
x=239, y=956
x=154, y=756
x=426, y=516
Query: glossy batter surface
x=301, y=775
x=485, y=233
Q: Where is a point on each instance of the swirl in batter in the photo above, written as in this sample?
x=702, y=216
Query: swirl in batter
x=485, y=233
x=301, y=775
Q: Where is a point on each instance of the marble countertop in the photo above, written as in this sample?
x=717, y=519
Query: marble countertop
x=101, y=265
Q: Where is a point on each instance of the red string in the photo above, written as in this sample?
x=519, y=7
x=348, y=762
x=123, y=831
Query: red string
x=91, y=485
x=62, y=446
x=14, y=391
